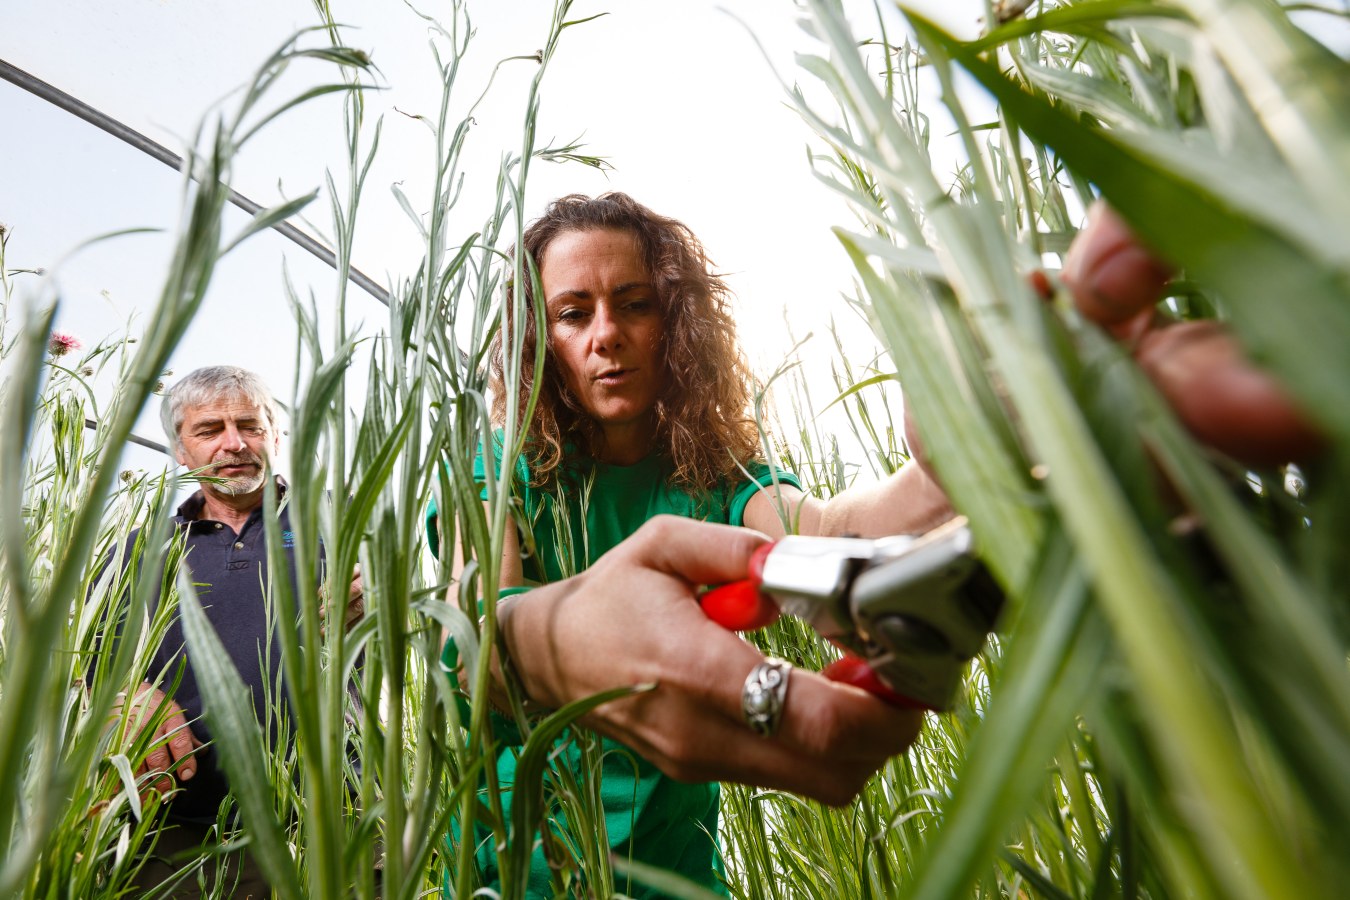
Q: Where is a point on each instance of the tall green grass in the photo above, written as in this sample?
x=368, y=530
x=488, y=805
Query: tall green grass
x=1169, y=705
x=70, y=818
x=1166, y=711
x=359, y=802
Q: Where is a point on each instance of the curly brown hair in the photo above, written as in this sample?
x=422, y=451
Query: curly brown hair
x=703, y=423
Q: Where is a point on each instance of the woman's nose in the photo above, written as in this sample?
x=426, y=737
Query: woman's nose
x=607, y=334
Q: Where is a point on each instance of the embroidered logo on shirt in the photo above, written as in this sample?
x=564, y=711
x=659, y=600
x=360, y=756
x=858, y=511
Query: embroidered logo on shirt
x=287, y=540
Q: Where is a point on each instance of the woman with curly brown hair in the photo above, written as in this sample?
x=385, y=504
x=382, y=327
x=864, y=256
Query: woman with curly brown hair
x=699, y=418
x=643, y=411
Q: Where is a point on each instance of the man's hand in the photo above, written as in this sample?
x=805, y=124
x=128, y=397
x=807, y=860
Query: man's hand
x=356, y=600
x=1218, y=394
x=172, y=743
x=356, y=603
x=634, y=618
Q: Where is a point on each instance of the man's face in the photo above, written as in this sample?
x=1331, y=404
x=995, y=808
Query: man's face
x=234, y=439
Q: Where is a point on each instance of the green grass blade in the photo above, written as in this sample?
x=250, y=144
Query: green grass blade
x=668, y=883
x=1301, y=338
x=1054, y=662
x=269, y=217
x=240, y=743
x=527, y=806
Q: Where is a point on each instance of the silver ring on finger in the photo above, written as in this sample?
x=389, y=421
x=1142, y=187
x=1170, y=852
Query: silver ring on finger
x=764, y=696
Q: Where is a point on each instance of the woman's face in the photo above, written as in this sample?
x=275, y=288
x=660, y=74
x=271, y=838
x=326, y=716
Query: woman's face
x=605, y=328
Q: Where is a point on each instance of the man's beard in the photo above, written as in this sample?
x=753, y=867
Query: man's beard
x=241, y=484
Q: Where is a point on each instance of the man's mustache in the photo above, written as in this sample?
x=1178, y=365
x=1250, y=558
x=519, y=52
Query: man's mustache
x=247, y=460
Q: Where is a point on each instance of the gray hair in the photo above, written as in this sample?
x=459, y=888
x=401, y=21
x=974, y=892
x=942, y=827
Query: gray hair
x=209, y=385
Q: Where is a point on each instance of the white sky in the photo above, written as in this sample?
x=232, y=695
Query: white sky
x=675, y=95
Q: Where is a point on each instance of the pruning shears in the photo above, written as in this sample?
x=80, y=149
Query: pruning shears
x=909, y=611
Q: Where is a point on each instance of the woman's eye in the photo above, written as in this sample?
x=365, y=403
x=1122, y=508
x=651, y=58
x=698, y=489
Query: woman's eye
x=570, y=315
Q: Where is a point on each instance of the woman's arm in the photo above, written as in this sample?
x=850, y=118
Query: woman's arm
x=908, y=502
x=512, y=572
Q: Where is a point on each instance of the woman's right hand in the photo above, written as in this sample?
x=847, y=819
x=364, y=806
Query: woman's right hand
x=1217, y=392
x=634, y=618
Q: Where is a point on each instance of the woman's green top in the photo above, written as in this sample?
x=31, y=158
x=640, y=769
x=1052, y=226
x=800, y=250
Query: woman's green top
x=648, y=817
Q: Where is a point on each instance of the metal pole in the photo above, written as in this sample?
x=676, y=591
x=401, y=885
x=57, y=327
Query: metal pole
x=77, y=107
x=135, y=439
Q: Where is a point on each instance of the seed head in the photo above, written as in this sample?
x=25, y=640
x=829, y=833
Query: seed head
x=60, y=343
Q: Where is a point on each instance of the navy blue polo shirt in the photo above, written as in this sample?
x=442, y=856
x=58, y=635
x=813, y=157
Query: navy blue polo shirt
x=229, y=570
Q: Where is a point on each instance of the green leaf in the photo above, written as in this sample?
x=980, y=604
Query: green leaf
x=459, y=628
x=305, y=98
x=1301, y=338
x=669, y=884
x=964, y=446
x=240, y=742
x=1054, y=661
x=133, y=794
x=270, y=217
x=1299, y=89
x=920, y=260
x=527, y=806
x=413, y=217
x=1080, y=18
x=373, y=479
x=1043, y=885
x=865, y=383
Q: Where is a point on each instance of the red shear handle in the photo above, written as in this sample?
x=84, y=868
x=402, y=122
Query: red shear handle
x=740, y=605
x=850, y=669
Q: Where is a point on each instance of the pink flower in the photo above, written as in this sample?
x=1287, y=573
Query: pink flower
x=60, y=343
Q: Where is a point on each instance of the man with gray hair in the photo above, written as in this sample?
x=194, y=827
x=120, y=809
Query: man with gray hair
x=222, y=423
